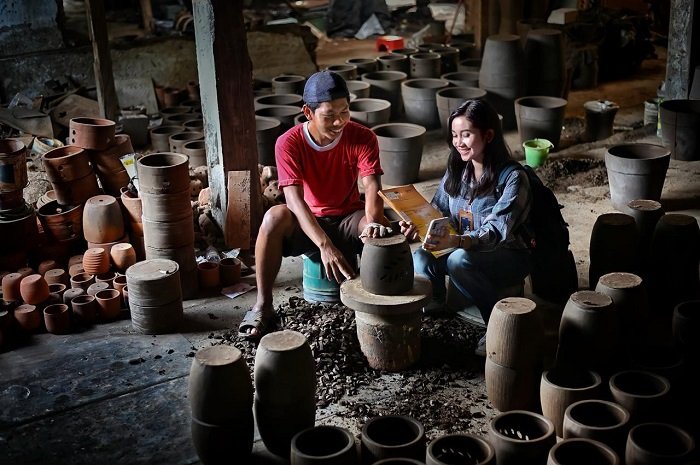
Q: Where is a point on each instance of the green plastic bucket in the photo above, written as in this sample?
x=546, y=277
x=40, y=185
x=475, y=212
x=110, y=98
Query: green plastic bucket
x=536, y=151
x=317, y=286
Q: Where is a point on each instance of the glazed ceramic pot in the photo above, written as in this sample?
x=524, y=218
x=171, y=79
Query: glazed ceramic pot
x=109, y=304
x=460, y=448
x=323, y=445
x=391, y=436
x=28, y=317
x=57, y=319
x=84, y=308
x=34, y=289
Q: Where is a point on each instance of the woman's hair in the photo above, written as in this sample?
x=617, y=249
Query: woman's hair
x=483, y=117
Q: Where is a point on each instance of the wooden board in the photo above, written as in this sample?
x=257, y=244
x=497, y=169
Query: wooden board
x=150, y=425
x=66, y=372
x=75, y=106
x=238, y=210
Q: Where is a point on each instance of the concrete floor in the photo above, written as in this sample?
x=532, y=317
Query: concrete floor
x=137, y=411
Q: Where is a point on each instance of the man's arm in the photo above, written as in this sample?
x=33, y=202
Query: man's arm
x=333, y=260
x=374, y=206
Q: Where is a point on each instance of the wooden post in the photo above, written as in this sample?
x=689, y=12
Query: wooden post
x=225, y=79
x=102, y=60
x=147, y=16
x=479, y=12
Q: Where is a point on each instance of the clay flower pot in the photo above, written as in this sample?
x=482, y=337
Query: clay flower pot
x=324, y=445
x=28, y=317
x=75, y=270
x=34, y=289
x=123, y=256
x=392, y=436
x=71, y=294
x=456, y=448
x=58, y=289
x=91, y=133
x=57, y=275
x=75, y=260
x=109, y=304
x=579, y=450
x=25, y=271
x=10, y=287
x=85, y=308
x=57, y=319
x=96, y=261
x=45, y=266
x=107, y=277
x=94, y=288
x=229, y=271
x=208, y=274
x=521, y=436
x=82, y=280
x=102, y=219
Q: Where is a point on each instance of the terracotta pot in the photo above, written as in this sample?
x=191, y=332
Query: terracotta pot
x=11, y=287
x=154, y=282
x=561, y=387
x=132, y=206
x=107, y=277
x=540, y=117
x=84, y=308
x=76, y=191
x=75, y=259
x=581, y=451
x=82, y=280
x=513, y=321
x=45, y=266
x=645, y=395
x=208, y=275
x=196, y=124
x=108, y=301
x=59, y=289
x=220, y=443
x=94, y=288
x=61, y=223
x=57, y=319
x=167, y=207
x=13, y=164
x=163, y=319
x=284, y=113
x=66, y=163
x=323, y=445
x=456, y=448
x=25, y=271
x=107, y=246
x=599, y=420
x=179, y=139
x=510, y=388
x=28, y=317
x=386, y=266
x=519, y=436
x=160, y=137
x=285, y=387
x=392, y=436
x=109, y=160
x=266, y=132
x=370, y=112
x=163, y=173
x=71, y=294
x=91, y=133
x=123, y=256
x=288, y=84
x=96, y=261
x=34, y=289
x=168, y=235
x=75, y=270
x=658, y=444
x=229, y=271
x=386, y=85
x=102, y=219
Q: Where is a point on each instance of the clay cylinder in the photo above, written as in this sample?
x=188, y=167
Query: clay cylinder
x=288, y=84
x=519, y=437
x=178, y=140
x=392, y=436
x=514, y=321
x=389, y=342
x=599, y=420
x=160, y=137
x=386, y=267
x=166, y=207
x=510, y=388
x=57, y=319
x=587, y=332
x=220, y=390
x=168, y=234
x=646, y=214
x=154, y=282
x=230, y=271
x=163, y=173
x=612, y=246
x=91, y=133
x=285, y=389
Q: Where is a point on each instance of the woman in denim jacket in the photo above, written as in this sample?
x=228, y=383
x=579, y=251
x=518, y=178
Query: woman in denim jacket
x=488, y=253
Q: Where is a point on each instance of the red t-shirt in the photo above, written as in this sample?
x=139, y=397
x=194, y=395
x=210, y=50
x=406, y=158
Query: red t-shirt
x=328, y=174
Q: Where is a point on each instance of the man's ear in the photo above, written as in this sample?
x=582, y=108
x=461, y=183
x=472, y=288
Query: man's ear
x=307, y=112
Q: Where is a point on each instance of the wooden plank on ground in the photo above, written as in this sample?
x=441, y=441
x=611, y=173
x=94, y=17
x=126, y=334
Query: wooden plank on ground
x=238, y=210
x=149, y=426
x=65, y=372
x=75, y=106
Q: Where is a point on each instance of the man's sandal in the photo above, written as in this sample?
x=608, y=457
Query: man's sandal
x=254, y=319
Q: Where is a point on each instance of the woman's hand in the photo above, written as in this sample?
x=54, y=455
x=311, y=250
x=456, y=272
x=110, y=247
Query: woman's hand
x=446, y=241
x=409, y=230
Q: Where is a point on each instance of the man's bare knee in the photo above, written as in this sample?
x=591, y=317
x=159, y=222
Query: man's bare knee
x=277, y=219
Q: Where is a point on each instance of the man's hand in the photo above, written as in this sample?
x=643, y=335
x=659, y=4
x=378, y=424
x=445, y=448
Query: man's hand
x=336, y=266
x=375, y=230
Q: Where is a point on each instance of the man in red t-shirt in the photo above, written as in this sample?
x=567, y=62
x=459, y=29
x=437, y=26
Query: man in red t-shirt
x=318, y=165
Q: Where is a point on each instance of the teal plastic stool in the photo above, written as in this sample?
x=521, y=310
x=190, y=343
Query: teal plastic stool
x=317, y=286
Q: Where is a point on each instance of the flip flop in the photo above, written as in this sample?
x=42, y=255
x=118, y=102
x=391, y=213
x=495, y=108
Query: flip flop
x=254, y=319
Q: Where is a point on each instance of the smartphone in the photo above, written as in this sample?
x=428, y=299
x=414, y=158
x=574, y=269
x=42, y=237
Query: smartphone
x=439, y=227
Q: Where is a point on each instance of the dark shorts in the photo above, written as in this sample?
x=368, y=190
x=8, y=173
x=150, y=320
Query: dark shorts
x=343, y=231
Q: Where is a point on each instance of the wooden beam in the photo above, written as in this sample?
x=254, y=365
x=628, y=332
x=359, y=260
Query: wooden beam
x=102, y=60
x=147, y=16
x=226, y=89
x=237, y=223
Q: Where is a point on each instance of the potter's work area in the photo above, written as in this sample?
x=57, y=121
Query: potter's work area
x=141, y=319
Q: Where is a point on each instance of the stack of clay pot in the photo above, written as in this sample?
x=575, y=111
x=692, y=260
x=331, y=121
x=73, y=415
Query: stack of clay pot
x=133, y=212
x=155, y=299
x=108, y=165
x=103, y=223
x=182, y=131
x=164, y=188
x=18, y=227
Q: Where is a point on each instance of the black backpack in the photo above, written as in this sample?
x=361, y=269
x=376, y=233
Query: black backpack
x=553, y=275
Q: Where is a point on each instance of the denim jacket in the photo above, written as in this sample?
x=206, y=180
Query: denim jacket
x=496, y=220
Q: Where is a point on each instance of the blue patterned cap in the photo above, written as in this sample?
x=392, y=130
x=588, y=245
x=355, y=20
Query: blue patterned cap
x=325, y=86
